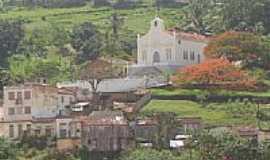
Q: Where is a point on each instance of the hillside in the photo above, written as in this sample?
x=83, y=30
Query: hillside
x=135, y=20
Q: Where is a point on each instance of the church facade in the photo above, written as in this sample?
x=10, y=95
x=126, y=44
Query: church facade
x=169, y=48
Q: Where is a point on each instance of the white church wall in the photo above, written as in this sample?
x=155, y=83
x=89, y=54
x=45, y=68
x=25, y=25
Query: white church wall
x=160, y=47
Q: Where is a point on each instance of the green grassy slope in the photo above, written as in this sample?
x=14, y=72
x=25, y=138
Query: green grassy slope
x=192, y=109
x=198, y=92
x=135, y=20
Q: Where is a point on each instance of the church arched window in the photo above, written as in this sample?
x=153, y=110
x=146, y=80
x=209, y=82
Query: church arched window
x=156, y=23
x=169, y=53
x=185, y=55
x=192, y=55
x=199, y=58
x=156, y=57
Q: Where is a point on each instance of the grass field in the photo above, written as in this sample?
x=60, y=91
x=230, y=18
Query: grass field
x=192, y=109
x=135, y=20
x=197, y=92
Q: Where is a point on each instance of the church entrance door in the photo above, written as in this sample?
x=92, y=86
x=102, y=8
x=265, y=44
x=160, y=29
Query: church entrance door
x=156, y=57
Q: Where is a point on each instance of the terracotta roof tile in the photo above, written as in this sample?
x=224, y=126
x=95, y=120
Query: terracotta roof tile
x=189, y=36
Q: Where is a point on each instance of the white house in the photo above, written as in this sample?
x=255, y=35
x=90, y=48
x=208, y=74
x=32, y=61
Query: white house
x=169, y=48
x=32, y=108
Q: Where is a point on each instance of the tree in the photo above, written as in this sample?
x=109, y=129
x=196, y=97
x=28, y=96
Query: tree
x=12, y=33
x=5, y=78
x=28, y=68
x=213, y=145
x=166, y=124
x=96, y=71
x=8, y=150
x=86, y=40
x=215, y=71
x=196, y=12
x=239, y=46
x=112, y=45
x=265, y=16
x=242, y=15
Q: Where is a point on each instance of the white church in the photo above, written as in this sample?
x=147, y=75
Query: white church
x=160, y=52
x=169, y=48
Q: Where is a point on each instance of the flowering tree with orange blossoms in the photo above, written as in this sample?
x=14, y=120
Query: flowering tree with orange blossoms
x=214, y=71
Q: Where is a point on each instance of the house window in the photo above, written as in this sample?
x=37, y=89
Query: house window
x=19, y=95
x=63, y=133
x=11, y=131
x=48, y=132
x=28, y=128
x=11, y=96
x=37, y=132
x=185, y=55
x=62, y=99
x=27, y=95
x=11, y=111
x=19, y=110
x=27, y=110
x=20, y=130
x=192, y=56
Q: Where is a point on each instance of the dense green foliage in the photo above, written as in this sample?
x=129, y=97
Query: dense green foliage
x=149, y=154
x=208, y=145
x=112, y=30
x=54, y=68
x=12, y=34
x=248, y=48
x=86, y=40
x=31, y=149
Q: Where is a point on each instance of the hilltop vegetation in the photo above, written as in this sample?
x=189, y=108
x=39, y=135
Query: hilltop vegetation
x=48, y=29
x=48, y=35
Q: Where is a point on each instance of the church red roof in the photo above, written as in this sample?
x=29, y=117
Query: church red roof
x=189, y=36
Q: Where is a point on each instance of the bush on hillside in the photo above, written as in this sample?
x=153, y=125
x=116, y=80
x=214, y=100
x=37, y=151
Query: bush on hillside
x=247, y=48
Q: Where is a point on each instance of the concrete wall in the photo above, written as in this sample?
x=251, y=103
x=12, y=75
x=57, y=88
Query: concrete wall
x=18, y=132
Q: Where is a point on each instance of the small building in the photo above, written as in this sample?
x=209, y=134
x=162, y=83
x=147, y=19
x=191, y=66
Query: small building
x=68, y=127
x=32, y=107
x=161, y=51
x=106, y=131
x=145, y=132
